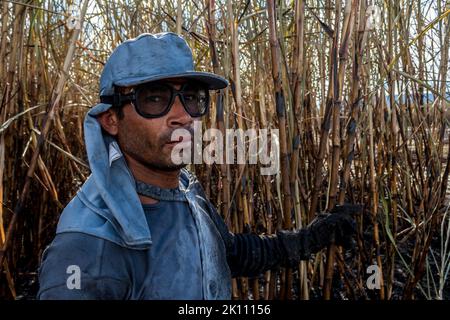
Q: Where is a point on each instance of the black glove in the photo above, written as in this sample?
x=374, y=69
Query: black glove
x=337, y=227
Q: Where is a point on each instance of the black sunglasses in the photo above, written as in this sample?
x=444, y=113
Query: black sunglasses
x=154, y=99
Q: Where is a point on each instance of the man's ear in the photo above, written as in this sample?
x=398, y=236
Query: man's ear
x=109, y=121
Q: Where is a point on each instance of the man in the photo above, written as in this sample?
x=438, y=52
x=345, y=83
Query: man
x=140, y=227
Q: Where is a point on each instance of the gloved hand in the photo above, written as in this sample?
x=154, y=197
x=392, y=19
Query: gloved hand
x=337, y=227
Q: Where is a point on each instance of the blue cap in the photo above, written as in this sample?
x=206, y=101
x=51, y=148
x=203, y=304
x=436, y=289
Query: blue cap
x=151, y=57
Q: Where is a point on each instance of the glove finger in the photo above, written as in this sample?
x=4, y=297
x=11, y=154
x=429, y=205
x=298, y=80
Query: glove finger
x=345, y=232
x=348, y=242
x=339, y=235
x=350, y=226
x=347, y=223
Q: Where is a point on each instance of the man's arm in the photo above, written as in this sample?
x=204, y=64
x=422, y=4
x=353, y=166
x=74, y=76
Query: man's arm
x=75, y=267
x=251, y=254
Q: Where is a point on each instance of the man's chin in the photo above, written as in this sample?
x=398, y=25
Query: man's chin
x=168, y=167
x=175, y=167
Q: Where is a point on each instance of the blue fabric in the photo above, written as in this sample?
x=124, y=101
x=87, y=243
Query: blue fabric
x=107, y=207
x=176, y=194
x=174, y=263
x=109, y=192
x=171, y=269
x=151, y=57
x=106, y=270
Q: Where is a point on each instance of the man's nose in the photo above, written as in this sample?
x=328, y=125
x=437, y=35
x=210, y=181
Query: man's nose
x=177, y=116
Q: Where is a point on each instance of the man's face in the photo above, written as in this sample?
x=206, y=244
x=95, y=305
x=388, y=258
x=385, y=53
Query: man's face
x=148, y=141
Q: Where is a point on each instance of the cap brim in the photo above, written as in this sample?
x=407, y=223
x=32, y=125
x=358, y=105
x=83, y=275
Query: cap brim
x=213, y=81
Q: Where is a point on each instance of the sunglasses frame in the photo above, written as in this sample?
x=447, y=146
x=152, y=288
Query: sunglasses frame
x=121, y=99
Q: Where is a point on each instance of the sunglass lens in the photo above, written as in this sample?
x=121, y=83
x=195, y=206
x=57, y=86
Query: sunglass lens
x=153, y=100
x=196, y=99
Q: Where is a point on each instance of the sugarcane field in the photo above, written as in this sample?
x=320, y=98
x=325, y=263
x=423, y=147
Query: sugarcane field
x=225, y=150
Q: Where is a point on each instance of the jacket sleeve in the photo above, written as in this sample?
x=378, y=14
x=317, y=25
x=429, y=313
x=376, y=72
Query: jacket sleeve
x=249, y=254
x=74, y=268
x=252, y=254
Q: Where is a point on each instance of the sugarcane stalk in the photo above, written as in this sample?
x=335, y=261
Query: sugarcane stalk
x=374, y=204
x=281, y=114
x=54, y=106
x=333, y=107
x=179, y=16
